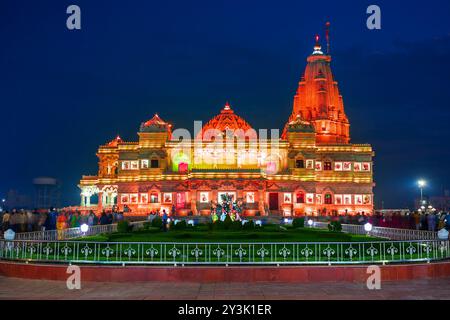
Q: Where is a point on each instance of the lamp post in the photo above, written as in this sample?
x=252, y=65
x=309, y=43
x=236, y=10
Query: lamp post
x=421, y=183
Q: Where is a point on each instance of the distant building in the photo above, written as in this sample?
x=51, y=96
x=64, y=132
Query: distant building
x=47, y=192
x=15, y=200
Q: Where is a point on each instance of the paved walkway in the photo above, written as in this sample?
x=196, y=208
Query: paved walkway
x=14, y=288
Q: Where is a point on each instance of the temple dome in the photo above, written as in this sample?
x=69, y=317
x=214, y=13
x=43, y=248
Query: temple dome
x=155, y=124
x=226, y=120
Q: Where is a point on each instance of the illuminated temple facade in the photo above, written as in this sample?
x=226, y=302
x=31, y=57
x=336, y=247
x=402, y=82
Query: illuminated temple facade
x=310, y=167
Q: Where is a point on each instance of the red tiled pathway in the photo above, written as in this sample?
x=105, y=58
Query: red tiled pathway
x=14, y=288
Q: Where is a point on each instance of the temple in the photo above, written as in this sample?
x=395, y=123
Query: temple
x=311, y=168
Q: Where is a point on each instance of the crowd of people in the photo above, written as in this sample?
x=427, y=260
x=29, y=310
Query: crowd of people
x=28, y=221
x=425, y=221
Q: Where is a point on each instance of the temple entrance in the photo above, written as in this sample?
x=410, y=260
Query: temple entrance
x=181, y=200
x=273, y=201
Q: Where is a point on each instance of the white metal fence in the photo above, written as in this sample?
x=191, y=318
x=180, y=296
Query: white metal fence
x=71, y=233
x=270, y=253
x=389, y=233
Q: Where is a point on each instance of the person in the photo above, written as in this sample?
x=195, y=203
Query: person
x=164, y=220
x=90, y=220
x=431, y=222
x=416, y=218
x=75, y=220
x=103, y=218
x=5, y=221
x=30, y=221
x=110, y=217
x=95, y=219
x=51, y=219
x=447, y=221
x=61, y=224
x=174, y=210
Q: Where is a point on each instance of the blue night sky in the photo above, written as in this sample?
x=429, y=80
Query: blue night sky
x=63, y=93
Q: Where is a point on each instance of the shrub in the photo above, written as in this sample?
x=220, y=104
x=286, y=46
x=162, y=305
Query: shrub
x=123, y=226
x=298, y=222
x=335, y=226
x=236, y=225
x=250, y=225
x=181, y=225
x=157, y=222
x=147, y=225
x=227, y=222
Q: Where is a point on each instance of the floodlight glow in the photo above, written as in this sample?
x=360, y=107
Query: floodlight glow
x=421, y=183
x=310, y=222
x=368, y=227
x=84, y=228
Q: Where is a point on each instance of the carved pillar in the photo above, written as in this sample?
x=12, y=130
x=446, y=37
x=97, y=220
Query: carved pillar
x=261, y=202
x=100, y=200
x=194, y=201
x=83, y=200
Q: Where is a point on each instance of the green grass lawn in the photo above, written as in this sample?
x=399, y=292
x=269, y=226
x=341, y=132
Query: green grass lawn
x=202, y=234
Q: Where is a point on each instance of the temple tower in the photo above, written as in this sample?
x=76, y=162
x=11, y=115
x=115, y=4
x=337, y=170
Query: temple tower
x=318, y=100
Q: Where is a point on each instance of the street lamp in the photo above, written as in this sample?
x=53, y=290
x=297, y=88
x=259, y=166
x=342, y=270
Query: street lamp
x=421, y=184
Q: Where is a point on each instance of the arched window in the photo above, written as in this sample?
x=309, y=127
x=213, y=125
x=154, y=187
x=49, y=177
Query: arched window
x=154, y=163
x=154, y=197
x=300, y=197
x=299, y=163
x=328, y=198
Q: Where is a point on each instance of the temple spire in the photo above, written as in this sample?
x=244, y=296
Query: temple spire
x=317, y=46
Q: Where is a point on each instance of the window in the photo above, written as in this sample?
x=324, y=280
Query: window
x=328, y=199
x=300, y=197
x=204, y=197
x=367, y=199
x=309, y=164
x=287, y=198
x=125, y=198
x=144, y=164
x=154, y=163
x=167, y=198
x=126, y=165
x=318, y=166
x=347, y=166
x=134, y=165
x=337, y=166
x=338, y=199
x=134, y=198
x=183, y=167
x=318, y=198
x=299, y=164
x=250, y=197
x=144, y=198
x=347, y=199
x=310, y=198
x=327, y=165
x=154, y=197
